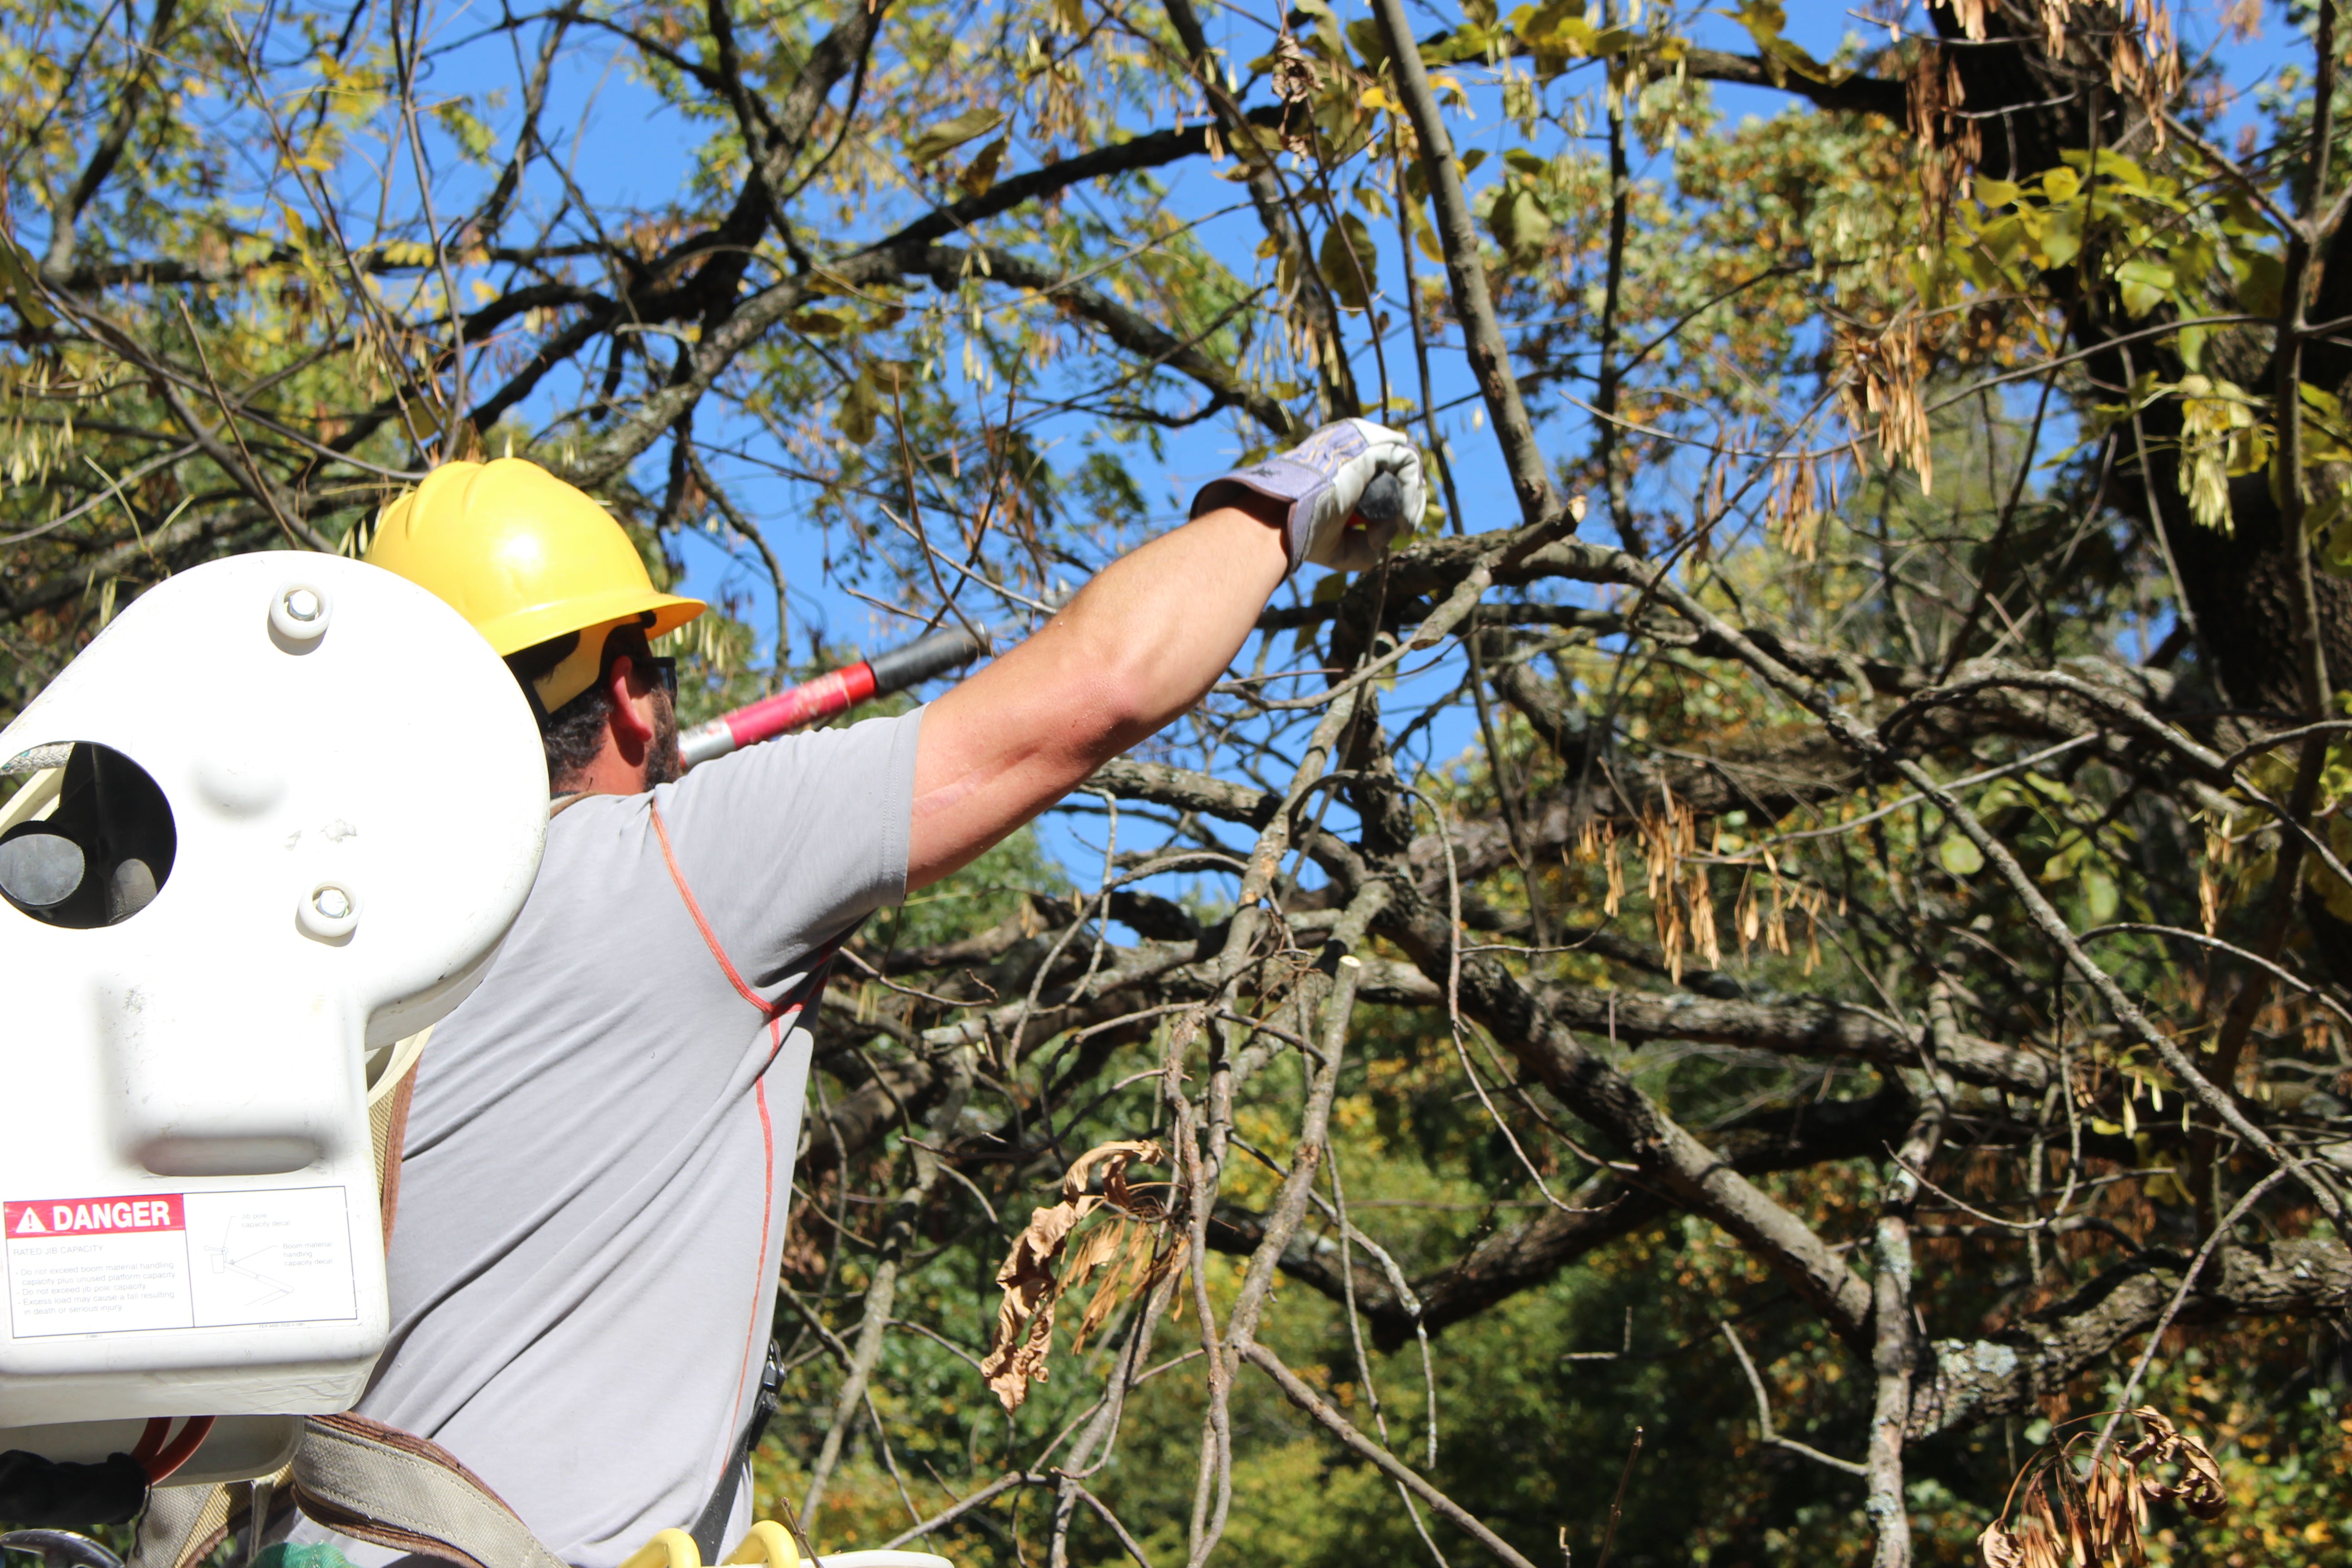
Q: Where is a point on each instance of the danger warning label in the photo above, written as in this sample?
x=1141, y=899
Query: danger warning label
x=177, y=1260
x=84, y=1217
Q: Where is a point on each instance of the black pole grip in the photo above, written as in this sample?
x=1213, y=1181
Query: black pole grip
x=919, y=661
x=1383, y=498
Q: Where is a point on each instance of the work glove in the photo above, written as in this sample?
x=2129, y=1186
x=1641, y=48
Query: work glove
x=1324, y=479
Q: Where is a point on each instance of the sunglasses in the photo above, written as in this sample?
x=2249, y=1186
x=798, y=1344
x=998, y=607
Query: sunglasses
x=661, y=672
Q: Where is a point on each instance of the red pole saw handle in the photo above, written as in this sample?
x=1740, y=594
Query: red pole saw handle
x=836, y=692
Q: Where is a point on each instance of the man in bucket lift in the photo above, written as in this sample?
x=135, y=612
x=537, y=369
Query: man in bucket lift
x=599, y=1148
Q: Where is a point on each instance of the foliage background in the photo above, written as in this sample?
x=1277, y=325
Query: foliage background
x=1999, y=345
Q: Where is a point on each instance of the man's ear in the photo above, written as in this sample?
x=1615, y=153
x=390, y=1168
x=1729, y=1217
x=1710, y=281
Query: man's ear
x=632, y=713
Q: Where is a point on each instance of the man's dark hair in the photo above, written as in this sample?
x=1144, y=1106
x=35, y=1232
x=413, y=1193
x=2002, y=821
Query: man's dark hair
x=574, y=732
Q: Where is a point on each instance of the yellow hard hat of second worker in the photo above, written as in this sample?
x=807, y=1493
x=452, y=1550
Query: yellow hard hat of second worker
x=525, y=558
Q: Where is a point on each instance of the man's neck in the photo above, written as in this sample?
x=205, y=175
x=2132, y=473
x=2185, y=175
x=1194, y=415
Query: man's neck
x=608, y=773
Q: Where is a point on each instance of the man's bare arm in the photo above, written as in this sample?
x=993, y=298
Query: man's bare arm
x=1137, y=646
x=1149, y=636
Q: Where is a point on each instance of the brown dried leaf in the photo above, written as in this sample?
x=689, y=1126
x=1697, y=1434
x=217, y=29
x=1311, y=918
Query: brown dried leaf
x=1295, y=75
x=1100, y=1246
x=1115, y=1158
x=1135, y=1256
x=1997, y=1548
x=2108, y=1517
x=1025, y=1318
x=2199, y=1489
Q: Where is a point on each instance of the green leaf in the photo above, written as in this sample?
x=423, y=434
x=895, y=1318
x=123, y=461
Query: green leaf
x=1559, y=32
x=860, y=406
x=464, y=128
x=2005, y=239
x=2241, y=217
x=1425, y=235
x=949, y=134
x=1350, y=264
x=1468, y=42
x=1996, y=193
x=2145, y=284
x=17, y=282
x=1766, y=21
x=2100, y=899
x=1536, y=24
x=2062, y=235
x=1518, y=221
x=1959, y=857
x=2041, y=784
x=2192, y=259
x=2192, y=347
x=2260, y=279
x=2114, y=169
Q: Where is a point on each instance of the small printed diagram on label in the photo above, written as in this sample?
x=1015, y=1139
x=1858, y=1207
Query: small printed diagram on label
x=242, y=1250
x=279, y=1256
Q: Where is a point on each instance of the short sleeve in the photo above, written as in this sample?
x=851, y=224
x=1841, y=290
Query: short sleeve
x=789, y=843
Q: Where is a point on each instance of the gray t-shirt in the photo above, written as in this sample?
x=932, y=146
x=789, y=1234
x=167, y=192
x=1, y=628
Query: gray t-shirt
x=600, y=1148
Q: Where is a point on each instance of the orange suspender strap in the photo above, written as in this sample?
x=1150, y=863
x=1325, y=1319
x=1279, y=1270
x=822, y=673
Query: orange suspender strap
x=709, y=937
x=802, y=1002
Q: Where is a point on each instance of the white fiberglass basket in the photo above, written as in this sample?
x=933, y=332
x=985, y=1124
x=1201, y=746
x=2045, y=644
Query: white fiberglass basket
x=281, y=811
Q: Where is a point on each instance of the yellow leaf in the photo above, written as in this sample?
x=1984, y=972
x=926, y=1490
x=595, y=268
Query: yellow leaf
x=1426, y=238
x=982, y=174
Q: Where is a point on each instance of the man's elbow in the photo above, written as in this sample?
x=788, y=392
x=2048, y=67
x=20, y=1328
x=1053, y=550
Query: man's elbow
x=1124, y=707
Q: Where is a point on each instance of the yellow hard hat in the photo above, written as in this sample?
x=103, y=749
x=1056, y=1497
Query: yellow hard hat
x=525, y=558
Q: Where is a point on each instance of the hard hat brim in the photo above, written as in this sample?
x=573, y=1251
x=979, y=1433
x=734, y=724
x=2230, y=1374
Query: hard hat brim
x=511, y=634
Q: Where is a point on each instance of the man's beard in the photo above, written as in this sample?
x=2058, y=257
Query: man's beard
x=663, y=763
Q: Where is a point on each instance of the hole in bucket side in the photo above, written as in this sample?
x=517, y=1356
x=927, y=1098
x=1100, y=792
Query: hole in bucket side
x=97, y=847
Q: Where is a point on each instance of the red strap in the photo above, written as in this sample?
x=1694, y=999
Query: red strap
x=709, y=937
